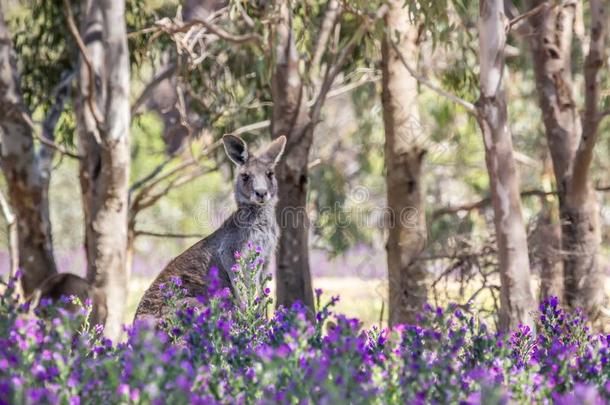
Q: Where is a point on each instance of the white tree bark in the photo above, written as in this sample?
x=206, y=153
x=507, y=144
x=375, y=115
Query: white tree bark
x=291, y=118
x=404, y=153
x=584, y=279
x=516, y=296
x=104, y=144
x=21, y=166
x=571, y=140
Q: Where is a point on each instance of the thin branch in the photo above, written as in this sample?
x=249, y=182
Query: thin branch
x=484, y=202
x=143, y=31
x=184, y=165
x=147, y=200
x=154, y=179
x=169, y=235
x=257, y=126
x=535, y=11
x=181, y=108
x=247, y=19
x=352, y=86
x=602, y=188
x=154, y=172
x=591, y=118
x=214, y=29
x=332, y=70
x=86, y=58
x=328, y=23
x=46, y=141
x=469, y=107
x=158, y=78
x=347, y=88
x=60, y=93
x=603, y=114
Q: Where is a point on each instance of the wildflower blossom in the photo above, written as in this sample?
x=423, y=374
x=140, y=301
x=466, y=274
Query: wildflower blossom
x=218, y=352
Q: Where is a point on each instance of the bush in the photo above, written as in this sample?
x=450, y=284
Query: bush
x=222, y=350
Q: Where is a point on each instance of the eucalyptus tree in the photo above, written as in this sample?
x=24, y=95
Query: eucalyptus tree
x=405, y=148
x=490, y=111
x=517, y=299
x=103, y=122
x=298, y=98
x=88, y=71
x=26, y=171
x=554, y=31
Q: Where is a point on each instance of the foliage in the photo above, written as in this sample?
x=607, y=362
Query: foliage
x=48, y=55
x=213, y=351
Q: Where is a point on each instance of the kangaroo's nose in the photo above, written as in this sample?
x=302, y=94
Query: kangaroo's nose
x=260, y=193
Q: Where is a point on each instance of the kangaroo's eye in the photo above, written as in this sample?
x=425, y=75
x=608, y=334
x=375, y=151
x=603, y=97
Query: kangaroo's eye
x=270, y=173
x=245, y=177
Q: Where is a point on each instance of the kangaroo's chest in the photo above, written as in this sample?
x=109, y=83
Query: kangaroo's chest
x=260, y=231
x=263, y=234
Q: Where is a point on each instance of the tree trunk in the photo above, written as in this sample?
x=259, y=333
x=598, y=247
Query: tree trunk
x=516, y=298
x=584, y=280
x=551, y=46
x=548, y=238
x=404, y=155
x=291, y=118
x=104, y=143
x=12, y=237
x=27, y=187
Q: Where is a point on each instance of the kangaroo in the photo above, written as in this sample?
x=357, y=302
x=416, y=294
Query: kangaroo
x=65, y=285
x=254, y=220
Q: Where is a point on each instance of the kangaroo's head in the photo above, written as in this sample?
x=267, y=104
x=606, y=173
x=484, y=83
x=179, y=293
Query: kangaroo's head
x=256, y=183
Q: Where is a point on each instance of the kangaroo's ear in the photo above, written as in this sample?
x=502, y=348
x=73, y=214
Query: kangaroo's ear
x=274, y=151
x=236, y=149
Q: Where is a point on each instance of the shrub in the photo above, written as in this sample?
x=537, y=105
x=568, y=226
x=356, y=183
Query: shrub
x=220, y=349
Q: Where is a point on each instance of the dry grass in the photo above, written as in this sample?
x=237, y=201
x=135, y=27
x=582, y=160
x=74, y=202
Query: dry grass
x=361, y=298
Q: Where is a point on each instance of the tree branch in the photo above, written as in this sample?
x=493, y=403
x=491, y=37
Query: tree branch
x=61, y=91
x=214, y=29
x=86, y=58
x=168, y=235
x=602, y=188
x=46, y=141
x=469, y=107
x=591, y=118
x=158, y=169
x=328, y=23
x=333, y=69
x=147, y=196
x=148, y=199
x=483, y=203
x=158, y=78
x=603, y=114
x=152, y=178
x=528, y=14
x=487, y=200
x=339, y=91
x=257, y=126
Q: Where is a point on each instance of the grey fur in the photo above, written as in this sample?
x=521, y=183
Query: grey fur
x=254, y=220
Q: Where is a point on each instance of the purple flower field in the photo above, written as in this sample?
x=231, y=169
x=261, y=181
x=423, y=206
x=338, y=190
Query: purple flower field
x=227, y=350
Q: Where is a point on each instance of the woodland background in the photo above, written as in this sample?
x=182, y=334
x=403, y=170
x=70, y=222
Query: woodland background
x=383, y=104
